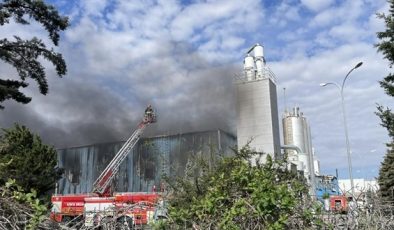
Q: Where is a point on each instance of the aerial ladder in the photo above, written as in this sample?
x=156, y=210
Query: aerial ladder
x=102, y=185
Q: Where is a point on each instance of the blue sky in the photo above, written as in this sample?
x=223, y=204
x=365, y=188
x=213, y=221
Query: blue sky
x=182, y=56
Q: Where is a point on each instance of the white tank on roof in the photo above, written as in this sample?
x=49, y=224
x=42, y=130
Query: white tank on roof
x=258, y=51
x=248, y=62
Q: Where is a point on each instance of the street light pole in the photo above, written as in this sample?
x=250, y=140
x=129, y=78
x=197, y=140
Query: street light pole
x=349, y=158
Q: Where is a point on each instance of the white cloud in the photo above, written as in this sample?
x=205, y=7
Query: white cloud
x=284, y=13
x=200, y=15
x=212, y=24
x=345, y=12
x=347, y=32
x=317, y=5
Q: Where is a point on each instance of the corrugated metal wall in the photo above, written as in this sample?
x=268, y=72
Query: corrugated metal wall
x=144, y=167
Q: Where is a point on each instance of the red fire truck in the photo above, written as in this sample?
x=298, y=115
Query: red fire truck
x=339, y=203
x=100, y=206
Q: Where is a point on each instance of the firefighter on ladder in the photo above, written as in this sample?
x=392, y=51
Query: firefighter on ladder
x=148, y=117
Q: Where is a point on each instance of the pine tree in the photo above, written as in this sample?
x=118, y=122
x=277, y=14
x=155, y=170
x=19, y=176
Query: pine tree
x=386, y=47
x=386, y=176
x=24, y=158
x=24, y=54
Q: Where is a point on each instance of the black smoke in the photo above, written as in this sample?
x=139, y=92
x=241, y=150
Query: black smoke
x=83, y=109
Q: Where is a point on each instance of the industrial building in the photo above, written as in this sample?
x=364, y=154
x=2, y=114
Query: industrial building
x=257, y=109
x=361, y=186
x=145, y=165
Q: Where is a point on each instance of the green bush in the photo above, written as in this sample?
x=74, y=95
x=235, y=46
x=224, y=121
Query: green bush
x=236, y=194
x=23, y=209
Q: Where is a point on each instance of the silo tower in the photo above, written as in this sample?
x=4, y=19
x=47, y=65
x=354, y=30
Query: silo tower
x=257, y=106
x=296, y=131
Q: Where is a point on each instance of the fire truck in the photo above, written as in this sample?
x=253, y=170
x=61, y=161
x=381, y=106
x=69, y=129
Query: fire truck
x=339, y=204
x=101, y=205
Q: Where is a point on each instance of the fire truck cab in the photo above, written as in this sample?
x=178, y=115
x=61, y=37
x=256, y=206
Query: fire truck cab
x=65, y=208
x=338, y=204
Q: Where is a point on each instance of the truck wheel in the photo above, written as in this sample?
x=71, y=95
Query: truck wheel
x=124, y=223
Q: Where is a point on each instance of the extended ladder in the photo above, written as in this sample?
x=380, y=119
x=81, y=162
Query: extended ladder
x=102, y=183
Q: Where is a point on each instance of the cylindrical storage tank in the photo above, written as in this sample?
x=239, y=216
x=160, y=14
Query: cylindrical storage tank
x=303, y=158
x=259, y=62
x=296, y=132
x=258, y=51
x=308, y=137
x=259, y=68
x=297, y=124
x=249, y=68
x=248, y=63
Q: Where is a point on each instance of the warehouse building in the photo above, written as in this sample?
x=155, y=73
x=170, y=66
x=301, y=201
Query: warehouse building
x=150, y=160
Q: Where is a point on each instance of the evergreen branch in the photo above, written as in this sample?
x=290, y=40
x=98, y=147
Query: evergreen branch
x=47, y=15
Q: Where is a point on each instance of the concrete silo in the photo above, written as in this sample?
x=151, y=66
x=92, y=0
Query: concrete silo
x=257, y=109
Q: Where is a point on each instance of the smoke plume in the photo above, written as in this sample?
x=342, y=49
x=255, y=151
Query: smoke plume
x=86, y=107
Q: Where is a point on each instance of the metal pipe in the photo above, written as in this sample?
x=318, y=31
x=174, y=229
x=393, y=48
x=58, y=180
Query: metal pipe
x=292, y=147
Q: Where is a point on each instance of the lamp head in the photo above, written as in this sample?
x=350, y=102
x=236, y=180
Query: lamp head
x=358, y=65
x=323, y=84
